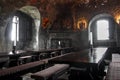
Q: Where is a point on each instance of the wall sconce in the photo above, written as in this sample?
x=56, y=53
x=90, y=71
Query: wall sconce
x=82, y=24
x=118, y=19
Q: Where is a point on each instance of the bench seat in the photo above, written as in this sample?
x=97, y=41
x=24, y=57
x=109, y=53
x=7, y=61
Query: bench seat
x=113, y=72
x=51, y=73
x=20, y=68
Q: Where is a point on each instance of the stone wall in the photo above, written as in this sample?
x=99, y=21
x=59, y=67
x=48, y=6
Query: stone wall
x=58, y=12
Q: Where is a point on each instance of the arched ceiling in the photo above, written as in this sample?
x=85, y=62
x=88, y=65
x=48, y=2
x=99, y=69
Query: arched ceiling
x=64, y=10
x=71, y=3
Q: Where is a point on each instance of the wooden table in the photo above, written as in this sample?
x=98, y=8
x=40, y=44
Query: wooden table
x=85, y=61
x=30, y=52
x=85, y=56
x=14, y=57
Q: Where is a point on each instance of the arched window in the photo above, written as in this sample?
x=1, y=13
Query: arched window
x=20, y=27
x=15, y=29
x=102, y=30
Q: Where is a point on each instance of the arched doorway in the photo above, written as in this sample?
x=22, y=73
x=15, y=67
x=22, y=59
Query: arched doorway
x=35, y=14
x=102, y=30
x=19, y=30
x=27, y=20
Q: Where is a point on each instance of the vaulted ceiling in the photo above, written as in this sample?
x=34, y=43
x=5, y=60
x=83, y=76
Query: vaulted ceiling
x=64, y=10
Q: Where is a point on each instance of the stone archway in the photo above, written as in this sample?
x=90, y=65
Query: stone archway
x=91, y=25
x=35, y=14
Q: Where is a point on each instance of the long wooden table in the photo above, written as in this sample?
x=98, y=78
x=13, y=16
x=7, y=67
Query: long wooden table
x=14, y=57
x=32, y=52
x=87, y=60
x=85, y=56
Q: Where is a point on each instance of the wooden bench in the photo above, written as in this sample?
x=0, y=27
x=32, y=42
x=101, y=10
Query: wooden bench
x=113, y=72
x=19, y=70
x=115, y=57
x=52, y=72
